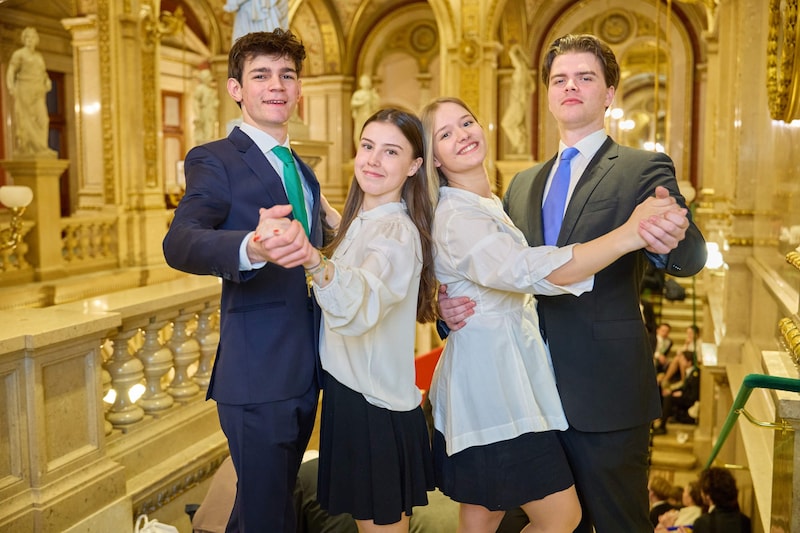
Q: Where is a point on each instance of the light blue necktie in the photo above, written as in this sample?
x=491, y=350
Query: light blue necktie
x=554, y=204
x=294, y=189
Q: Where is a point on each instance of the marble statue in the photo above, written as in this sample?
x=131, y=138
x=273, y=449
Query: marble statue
x=205, y=104
x=28, y=83
x=522, y=85
x=257, y=15
x=363, y=104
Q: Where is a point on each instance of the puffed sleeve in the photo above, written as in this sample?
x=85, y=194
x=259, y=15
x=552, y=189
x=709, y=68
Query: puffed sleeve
x=359, y=296
x=490, y=252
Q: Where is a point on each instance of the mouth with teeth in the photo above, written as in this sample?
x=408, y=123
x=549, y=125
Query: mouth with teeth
x=471, y=147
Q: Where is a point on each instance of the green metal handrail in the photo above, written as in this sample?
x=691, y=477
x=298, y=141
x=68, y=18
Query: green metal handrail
x=752, y=381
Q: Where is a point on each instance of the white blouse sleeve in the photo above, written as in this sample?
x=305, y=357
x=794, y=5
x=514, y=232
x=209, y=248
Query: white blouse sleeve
x=483, y=250
x=359, y=296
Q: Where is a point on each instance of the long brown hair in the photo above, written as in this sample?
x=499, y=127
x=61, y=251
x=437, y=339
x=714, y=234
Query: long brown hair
x=418, y=202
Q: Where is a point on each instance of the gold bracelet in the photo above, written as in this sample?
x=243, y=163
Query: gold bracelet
x=322, y=266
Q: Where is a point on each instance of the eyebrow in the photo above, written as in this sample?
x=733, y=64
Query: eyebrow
x=367, y=139
x=581, y=73
x=462, y=117
x=281, y=70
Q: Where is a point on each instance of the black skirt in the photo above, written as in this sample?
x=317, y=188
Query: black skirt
x=374, y=463
x=503, y=475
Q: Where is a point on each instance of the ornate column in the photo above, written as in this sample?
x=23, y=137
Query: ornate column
x=92, y=109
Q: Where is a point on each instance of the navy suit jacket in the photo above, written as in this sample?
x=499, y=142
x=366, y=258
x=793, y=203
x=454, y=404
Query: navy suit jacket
x=602, y=357
x=269, y=327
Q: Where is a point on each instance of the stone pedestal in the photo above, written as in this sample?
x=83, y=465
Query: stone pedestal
x=42, y=176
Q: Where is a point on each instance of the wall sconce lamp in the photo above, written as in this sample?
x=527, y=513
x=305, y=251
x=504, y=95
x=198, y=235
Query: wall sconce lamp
x=16, y=198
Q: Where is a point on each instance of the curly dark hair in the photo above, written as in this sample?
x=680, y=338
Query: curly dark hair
x=718, y=485
x=583, y=43
x=276, y=43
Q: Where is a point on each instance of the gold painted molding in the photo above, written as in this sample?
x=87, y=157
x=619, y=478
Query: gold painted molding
x=793, y=258
x=791, y=337
x=783, y=85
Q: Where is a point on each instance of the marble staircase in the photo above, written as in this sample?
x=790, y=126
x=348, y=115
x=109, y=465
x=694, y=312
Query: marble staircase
x=673, y=455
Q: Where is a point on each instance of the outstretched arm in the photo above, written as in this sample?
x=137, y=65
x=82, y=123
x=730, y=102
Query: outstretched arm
x=591, y=257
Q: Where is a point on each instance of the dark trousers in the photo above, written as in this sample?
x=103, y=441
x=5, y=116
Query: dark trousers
x=267, y=442
x=610, y=472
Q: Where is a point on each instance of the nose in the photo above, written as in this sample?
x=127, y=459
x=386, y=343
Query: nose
x=374, y=158
x=570, y=85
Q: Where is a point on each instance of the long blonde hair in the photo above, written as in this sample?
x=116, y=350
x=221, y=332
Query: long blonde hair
x=428, y=117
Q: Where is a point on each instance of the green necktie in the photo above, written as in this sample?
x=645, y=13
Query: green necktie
x=294, y=189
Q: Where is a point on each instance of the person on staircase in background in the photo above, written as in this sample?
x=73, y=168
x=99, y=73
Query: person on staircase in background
x=721, y=495
x=678, y=398
x=659, y=490
x=684, y=515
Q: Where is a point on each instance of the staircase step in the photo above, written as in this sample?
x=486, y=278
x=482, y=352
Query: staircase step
x=673, y=460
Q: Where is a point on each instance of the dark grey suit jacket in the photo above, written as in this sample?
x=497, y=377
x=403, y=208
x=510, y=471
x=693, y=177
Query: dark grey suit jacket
x=602, y=357
x=269, y=330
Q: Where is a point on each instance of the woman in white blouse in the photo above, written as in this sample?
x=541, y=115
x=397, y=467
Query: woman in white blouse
x=495, y=402
x=375, y=457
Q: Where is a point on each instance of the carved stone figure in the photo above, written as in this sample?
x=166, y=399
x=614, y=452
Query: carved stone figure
x=28, y=83
x=522, y=85
x=258, y=15
x=363, y=104
x=206, y=103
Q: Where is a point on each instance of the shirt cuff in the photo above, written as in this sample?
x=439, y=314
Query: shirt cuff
x=244, y=261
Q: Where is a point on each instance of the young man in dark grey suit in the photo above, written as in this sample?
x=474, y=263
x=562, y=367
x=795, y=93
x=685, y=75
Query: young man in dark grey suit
x=602, y=357
x=265, y=377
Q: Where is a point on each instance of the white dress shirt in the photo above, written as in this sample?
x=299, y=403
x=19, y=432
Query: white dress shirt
x=494, y=380
x=370, y=308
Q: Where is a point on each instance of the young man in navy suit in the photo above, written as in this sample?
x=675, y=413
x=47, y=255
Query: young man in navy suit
x=265, y=377
x=601, y=353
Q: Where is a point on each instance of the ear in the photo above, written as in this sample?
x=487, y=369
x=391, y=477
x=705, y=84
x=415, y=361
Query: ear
x=234, y=89
x=436, y=163
x=415, y=166
x=610, y=92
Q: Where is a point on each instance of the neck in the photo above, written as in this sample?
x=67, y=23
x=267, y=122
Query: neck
x=476, y=182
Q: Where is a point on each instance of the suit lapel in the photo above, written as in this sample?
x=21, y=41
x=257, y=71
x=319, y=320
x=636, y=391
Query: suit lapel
x=257, y=161
x=258, y=164
x=598, y=168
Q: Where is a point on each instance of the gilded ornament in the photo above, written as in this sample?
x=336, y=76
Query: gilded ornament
x=783, y=86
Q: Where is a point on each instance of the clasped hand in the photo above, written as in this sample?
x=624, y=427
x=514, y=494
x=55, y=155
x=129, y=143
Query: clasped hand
x=280, y=240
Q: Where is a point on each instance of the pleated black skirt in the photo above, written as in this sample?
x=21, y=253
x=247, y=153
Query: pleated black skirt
x=503, y=475
x=374, y=463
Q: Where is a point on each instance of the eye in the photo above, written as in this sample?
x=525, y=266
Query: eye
x=391, y=151
x=444, y=135
x=288, y=76
x=366, y=146
x=467, y=123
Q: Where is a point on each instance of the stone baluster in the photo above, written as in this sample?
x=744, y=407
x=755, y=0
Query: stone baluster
x=157, y=361
x=185, y=351
x=208, y=337
x=125, y=371
x=106, y=352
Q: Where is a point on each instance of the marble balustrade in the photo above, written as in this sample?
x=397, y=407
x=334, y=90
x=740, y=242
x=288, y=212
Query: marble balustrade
x=78, y=450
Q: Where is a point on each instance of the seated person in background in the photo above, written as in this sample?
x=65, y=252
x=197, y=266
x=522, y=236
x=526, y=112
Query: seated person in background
x=676, y=496
x=692, y=349
x=658, y=491
x=663, y=346
x=679, y=398
x=718, y=487
x=691, y=509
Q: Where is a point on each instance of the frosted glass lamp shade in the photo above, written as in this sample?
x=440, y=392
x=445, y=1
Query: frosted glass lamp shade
x=15, y=195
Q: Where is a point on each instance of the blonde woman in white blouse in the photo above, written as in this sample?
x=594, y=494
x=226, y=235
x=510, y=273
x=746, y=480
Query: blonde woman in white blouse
x=495, y=403
x=375, y=457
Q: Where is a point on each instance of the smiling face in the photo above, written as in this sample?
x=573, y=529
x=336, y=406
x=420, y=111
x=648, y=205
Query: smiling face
x=268, y=93
x=457, y=139
x=383, y=162
x=577, y=93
